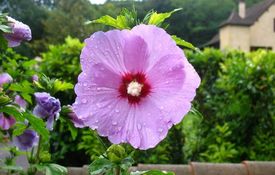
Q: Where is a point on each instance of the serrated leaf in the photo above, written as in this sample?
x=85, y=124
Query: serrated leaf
x=99, y=166
x=120, y=22
x=184, y=43
x=158, y=18
x=37, y=124
x=62, y=86
x=12, y=111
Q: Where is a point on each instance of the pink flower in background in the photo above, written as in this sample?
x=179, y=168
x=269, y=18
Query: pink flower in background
x=21, y=102
x=135, y=84
x=6, y=122
x=5, y=78
x=47, y=107
x=19, y=33
x=26, y=140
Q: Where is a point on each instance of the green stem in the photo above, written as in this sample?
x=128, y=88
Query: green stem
x=101, y=141
x=38, y=150
x=117, y=171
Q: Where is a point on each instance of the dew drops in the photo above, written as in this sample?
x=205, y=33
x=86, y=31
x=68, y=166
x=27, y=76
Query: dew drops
x=161, y=107
x=98, y=89
x=114, y=123
x=160, y=130
x=139, y=127
x=84, y=101
x=98, y=105
x=119, y=128
x=85, y=84
x=96, y=121
x=102, y=68
x=116, y=110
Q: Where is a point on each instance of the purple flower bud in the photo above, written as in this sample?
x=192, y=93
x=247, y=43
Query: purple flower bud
x=47, y=107
x=78, y=123
x=5, y=78
x=6, y=122
x=20, y=101
x=19, y=33
x=26, y=140
x=34, y=78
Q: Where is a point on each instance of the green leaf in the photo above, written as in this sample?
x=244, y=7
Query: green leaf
x=5, y=28
x=120, y=22
x=4, y=100
x=184, y=43
x=158, y=18
x=127, y=163
x=24, y=87
x=62, y=86
x=99, y=166
x=38, y=125
x=19, y=128
x=152, y=172
x=3, y=42
x=10, y=167
x=12, y=111
x=52, y=169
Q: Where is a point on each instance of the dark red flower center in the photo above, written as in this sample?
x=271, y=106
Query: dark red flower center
x=134, y=87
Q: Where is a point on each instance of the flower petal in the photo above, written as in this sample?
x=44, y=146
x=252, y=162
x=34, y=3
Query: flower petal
x=104, y=48
x=159, y=42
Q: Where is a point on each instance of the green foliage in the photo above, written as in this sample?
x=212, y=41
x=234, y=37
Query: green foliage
x=221, y=150
x=52, y=169
x=126, y=20
x=158, y=18
x=62, y=61
x=237, y=91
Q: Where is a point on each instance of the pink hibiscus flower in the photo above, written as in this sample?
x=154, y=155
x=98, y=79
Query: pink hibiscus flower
x=135, y=84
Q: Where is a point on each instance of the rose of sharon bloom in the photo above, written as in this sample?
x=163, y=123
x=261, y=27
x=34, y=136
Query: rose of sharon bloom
x=6, y=122
x=47, y=107
x=26, y=140
x=19, y=33
x=135, y=84
x=5, y=78
x=20, y=101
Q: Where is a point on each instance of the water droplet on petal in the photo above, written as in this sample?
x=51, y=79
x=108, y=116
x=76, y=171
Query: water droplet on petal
x=117, y=111
x=161, y=107
x=160, y=130
x=84, y=100
x=96, y=121
x=114, y=123
x=98, y=89
x=139, y=127
x=119, y=128
x=84, y=84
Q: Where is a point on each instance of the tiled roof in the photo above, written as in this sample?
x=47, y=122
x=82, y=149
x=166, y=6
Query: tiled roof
x=251, y=16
